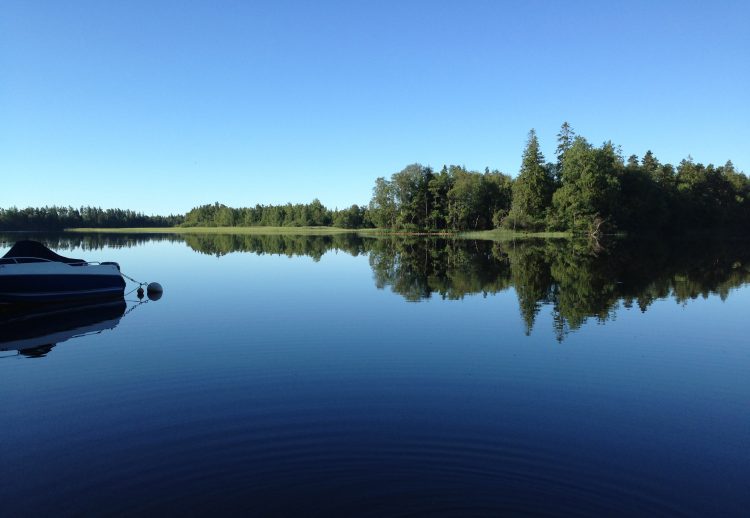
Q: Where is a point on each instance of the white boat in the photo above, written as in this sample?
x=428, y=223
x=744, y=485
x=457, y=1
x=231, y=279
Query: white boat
x=31, y=272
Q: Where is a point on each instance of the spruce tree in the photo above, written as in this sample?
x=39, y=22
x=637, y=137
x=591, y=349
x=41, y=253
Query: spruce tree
x=532, y=189
x=564, y=139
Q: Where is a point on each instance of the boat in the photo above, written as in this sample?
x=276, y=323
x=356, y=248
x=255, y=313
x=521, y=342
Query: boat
x=33, y=331
x=32, y=273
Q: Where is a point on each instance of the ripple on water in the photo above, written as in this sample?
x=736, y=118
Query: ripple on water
x=320, y=468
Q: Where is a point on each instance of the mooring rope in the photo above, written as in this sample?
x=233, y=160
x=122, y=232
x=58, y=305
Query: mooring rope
x=131, y=279
x=131, y=308
x=154, y=288
x=139, y=290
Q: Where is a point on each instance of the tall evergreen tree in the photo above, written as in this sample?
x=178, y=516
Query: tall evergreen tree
x=564, y=140
x=532, y=189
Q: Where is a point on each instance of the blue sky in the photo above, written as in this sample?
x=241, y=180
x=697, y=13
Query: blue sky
x=160, y=106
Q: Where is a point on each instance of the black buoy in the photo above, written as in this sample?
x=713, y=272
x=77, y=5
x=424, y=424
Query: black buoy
x=139, y=292
x=154, y=290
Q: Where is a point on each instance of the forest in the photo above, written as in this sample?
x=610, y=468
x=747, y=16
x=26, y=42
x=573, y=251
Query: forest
x=60, y=218
x=313, y=214
x=586, y=189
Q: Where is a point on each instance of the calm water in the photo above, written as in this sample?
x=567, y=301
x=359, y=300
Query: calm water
x=317, y=376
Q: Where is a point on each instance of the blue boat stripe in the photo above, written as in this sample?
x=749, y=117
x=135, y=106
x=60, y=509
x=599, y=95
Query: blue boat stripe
x=56, y=287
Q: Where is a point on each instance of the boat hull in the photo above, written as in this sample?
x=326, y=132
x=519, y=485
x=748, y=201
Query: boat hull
x=31, y=284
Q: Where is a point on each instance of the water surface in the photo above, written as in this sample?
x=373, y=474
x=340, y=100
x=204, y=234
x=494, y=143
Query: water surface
x=341, y=375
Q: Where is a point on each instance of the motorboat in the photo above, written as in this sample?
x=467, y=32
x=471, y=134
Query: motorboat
x=31, y=272
x=33, y=331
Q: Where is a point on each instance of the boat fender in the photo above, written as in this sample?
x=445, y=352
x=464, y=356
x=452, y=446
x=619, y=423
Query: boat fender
x=154, y=291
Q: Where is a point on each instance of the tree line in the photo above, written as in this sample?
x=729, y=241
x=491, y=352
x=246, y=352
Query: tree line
x=60, y=218
x=587, y=189
x=313, y=214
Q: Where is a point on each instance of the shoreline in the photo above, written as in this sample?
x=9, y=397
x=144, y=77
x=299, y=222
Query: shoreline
x=492, y=235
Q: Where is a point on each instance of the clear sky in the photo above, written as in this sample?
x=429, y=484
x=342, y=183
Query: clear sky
x=160, y=106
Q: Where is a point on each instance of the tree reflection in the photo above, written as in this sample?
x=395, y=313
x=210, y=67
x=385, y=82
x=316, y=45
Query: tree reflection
x=577, y=281
x=275, y=244
x=86, y=241
x=417, y=268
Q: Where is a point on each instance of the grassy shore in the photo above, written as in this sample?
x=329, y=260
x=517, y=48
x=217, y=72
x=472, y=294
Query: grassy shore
x=299, y=231
x=509, y=235
x=493, y=235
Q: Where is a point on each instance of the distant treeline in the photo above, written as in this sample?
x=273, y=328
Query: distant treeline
x=587, y=189
x=313, y=214
x=58, y=218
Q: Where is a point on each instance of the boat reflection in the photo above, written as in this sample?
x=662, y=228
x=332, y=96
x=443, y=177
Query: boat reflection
x=33, y=331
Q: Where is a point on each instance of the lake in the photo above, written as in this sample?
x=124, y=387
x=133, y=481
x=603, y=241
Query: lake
x=343, y=375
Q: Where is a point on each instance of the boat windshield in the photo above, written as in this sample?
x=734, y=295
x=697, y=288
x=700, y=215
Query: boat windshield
x=21, y=260
x=29, y=251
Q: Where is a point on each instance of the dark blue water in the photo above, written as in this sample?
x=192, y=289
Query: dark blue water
x=291, y=377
